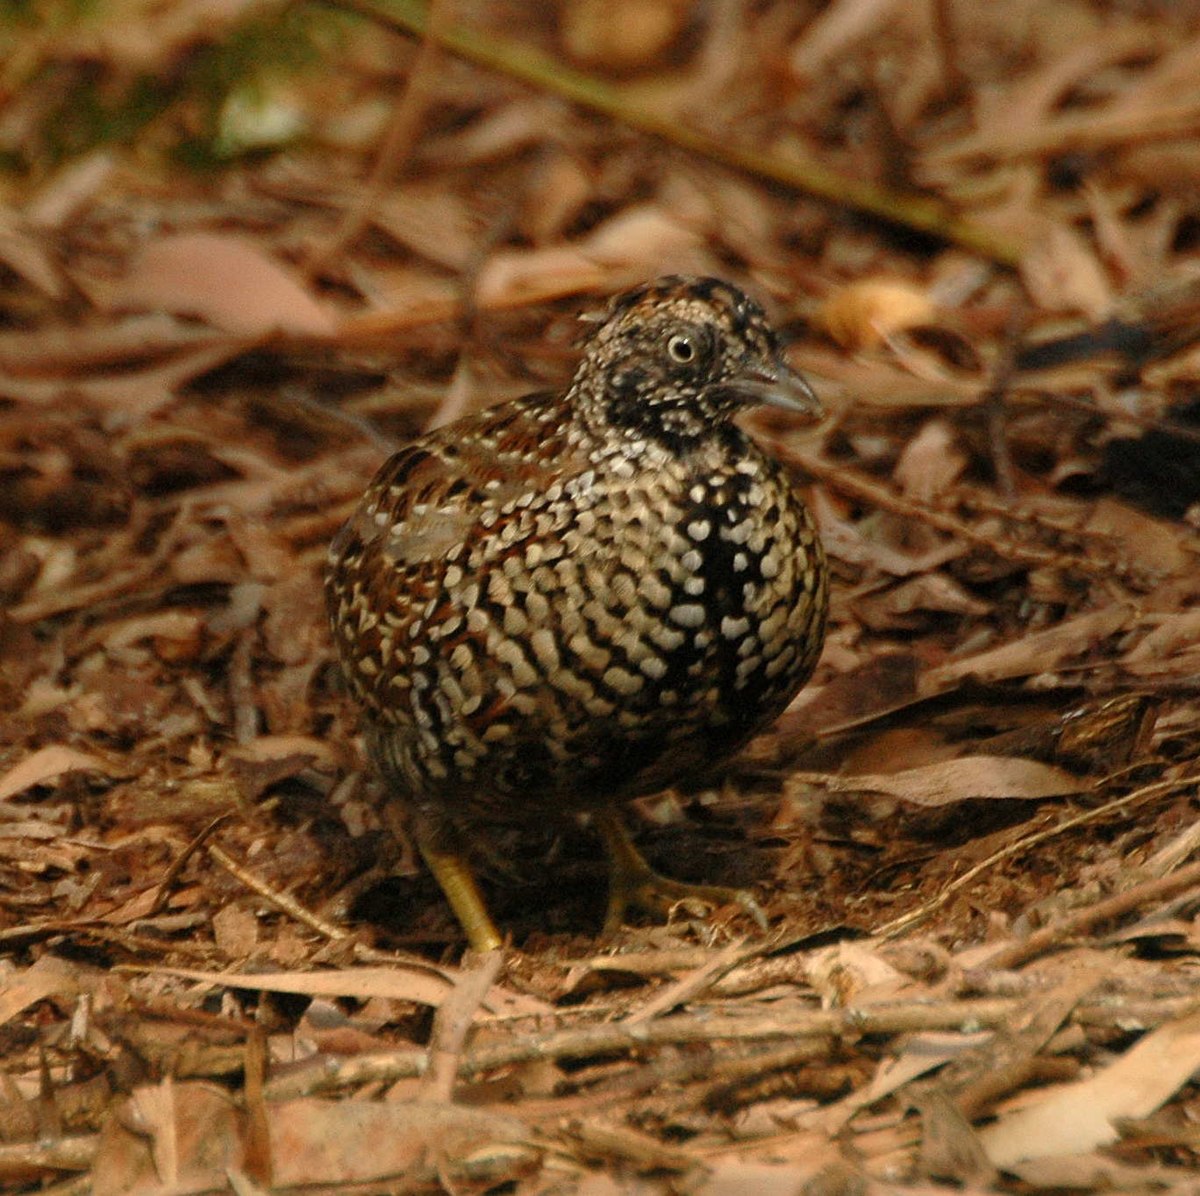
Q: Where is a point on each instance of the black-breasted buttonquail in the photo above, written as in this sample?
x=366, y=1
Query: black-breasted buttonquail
x=569, y=600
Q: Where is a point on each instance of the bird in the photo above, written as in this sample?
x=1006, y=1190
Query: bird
x=572, y=599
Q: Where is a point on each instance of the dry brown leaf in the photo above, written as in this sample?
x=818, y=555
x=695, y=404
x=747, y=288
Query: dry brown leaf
x=1035, y=654
x=848, y=542
x=836, y=30
x=182, y=1137
x=1063, y=273
x=896, y=606
x=639, y=242
x=225, y=279
x=1150, y=544
x=1170, y=647
x=930, y=463
x=235, y=930
x=968, y=777
x=49, y=977
x=850, y=973
x=319, y=1142
x=28, y=257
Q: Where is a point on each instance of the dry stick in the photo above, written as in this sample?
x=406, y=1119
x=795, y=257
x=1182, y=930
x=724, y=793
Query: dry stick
x=530, y=66
x=325, y=1073
x=709, y=1027
x=75, y=1153
x=626, y=1145
x=994, y=396
x=398, y=144
x=1006, y=1066
x=168, y=882
x=290, y=906
x=855, y=484
x=451, y=1023
x=256, y=1144
x=1103, y=911
x=680, y=1030
x=691, y=985
x=892, y=929
x=280, y=900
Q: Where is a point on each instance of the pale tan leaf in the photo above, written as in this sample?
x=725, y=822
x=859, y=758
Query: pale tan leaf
x=424, y=985
x=319, y=1142
x=46, y=765
x=1063, y=273
x=48, y=977
x=1076, y=1118
x=968, y=777
x=224, y=279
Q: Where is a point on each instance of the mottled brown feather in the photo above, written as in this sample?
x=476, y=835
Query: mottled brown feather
x=570, y=600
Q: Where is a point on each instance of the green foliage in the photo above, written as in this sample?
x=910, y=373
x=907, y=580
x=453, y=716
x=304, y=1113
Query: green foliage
x=174, y=104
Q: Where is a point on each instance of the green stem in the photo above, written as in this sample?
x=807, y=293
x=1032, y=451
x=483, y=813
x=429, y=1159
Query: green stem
x=529, y=65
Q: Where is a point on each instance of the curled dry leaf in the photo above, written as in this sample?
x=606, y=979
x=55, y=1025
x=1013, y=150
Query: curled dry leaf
x=224, y=279
x=1033, y=655
x=640, y=242
x=423, y=984
x=851, y=973
x=863, y=314
x=47, y=765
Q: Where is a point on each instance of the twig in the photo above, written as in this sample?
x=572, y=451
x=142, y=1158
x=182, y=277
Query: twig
x=1103, y=911
x=164, y=889
x=643, y=1151
x=398, y=143
x=694, y=983
x=66, y=1154
x=284, y=901
x=819, y=1028
x=451, y=1023
x=900, y=1017
x=529, y=65
x=849, y=481
x=896, y=926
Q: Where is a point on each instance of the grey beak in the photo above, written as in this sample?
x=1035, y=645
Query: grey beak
x=776, y=384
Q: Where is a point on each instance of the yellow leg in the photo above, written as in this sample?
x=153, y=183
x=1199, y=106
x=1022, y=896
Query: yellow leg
x=632, y=882
x=451, y=870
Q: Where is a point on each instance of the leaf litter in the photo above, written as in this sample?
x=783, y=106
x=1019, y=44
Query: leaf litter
x=974, y=833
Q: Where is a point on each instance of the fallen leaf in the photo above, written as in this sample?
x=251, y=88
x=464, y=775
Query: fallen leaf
x=344, y=1142
x=1079, y=1117
x=46, y=765
x=968, y=777
x=425, y=985
x=1032, y=655
x=224, y=279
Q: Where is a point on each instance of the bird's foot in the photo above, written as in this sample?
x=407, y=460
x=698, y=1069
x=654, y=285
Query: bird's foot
x=633, y=884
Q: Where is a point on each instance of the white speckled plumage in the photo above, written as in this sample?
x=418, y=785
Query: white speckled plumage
x=569, y=600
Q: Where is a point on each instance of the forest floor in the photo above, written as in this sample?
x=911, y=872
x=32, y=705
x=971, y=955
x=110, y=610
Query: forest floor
x=974, y=834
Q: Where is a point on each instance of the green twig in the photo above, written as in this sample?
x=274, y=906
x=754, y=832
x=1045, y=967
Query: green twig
x=529, y=65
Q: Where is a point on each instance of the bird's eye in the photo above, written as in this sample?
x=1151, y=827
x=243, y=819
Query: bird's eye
x=681, y=348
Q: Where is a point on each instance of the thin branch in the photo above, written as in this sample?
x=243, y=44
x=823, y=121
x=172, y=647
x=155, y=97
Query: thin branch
x=805, y=173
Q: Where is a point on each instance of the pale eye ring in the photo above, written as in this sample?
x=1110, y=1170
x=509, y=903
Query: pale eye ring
x=681, y=348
